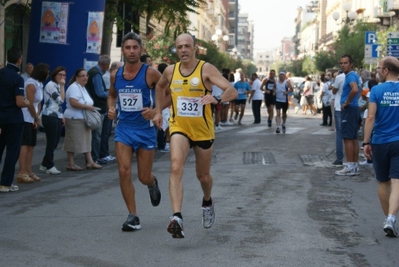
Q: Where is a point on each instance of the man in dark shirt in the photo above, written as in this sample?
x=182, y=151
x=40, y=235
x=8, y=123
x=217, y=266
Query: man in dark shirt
x=98, y=92
x=11, y=118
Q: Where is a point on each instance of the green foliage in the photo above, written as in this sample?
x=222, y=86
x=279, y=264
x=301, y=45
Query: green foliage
x=308, y=65
x=325, y=60
x=296, y=69
x=382, y=39
x=351, y=42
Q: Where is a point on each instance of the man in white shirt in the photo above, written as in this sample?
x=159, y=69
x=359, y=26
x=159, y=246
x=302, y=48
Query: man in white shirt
x=337, y=91
x=257, y=97
x=28, y=71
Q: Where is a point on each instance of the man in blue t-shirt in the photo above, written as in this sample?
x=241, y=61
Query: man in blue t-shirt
x=350, y=113
x=243, y=88
x=383, y=121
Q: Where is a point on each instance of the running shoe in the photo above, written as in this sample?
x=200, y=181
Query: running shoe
x=155, y=194
x=109, y=158
x=348, y=171
x=101, y=162
x=278, y=130
x=6, y=189
x=389, y=228
x=175, y=227
x=208, y=215
x=132, y=223
x=337, y=163
x=283, y=128
x=42, y=168
x=366, y=163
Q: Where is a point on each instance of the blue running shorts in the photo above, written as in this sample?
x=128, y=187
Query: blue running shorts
x=136, y=138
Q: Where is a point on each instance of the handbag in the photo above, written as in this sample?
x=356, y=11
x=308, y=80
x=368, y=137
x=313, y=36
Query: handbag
x=91, y=118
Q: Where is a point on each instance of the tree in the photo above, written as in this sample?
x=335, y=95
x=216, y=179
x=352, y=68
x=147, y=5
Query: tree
x=308, y=65
x=295, y=67
x=173, y=12
x=325, y=60
x=382, y=39
x=351, y=42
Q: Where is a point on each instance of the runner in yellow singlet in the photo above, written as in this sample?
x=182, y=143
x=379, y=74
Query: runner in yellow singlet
x=188, y=116
x=187, y=87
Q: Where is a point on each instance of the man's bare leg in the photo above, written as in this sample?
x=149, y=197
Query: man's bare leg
x=179, y=148
x=124, y=156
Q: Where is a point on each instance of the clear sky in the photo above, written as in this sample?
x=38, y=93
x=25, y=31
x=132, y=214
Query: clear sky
x=273, y=20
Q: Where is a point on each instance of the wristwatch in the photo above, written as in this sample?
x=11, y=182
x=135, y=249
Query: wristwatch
x=365, y=144
x=218, y=98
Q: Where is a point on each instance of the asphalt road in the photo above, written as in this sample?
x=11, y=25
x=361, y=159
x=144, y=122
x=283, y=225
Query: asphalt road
x=278, y=203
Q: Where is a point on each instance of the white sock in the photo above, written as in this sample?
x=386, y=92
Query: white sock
x=391, y=217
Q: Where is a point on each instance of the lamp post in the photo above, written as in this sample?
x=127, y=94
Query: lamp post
x=217, y=36
x=350, y=16
x=235, y=54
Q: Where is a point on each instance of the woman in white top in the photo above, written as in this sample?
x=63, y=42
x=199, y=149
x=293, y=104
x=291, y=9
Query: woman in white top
x=52, y=117
x=77, y=134
x=34, y=93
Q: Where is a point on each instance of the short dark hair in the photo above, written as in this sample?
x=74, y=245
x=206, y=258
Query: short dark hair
x=144, y=57
x=350, y=59
x=231, y=77
x=40, y=72
x=55, y=72
x=14, y=54
x=162, y=67
x=132, y=36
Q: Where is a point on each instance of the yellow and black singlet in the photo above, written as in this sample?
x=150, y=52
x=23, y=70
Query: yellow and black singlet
x=187, y=115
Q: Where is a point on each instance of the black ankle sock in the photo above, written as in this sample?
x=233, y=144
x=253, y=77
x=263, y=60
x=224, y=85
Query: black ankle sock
x=178, y=214
x=206, y=203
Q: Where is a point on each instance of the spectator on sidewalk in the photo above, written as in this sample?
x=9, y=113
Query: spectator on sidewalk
x=77, y=134
x=34, y=93
x=11, y=117
x=105, y=156
x=350, y=116
x=98, y=92
x=381, y=139
x=256, y=97
x=52, y=117
x=337, y=91
x=28, y=71
x=325, y=97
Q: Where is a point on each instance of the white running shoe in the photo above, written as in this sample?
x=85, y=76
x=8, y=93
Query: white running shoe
x=53, y=170
x=42, y=168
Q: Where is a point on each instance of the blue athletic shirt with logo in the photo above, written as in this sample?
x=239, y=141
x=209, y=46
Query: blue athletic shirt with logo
x=386, y=125
x=133, y=96
x=242, y=89
x=351, y=77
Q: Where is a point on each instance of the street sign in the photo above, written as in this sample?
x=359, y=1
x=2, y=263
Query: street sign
x=370, y=37
x=393, y=44
x=371, y=47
